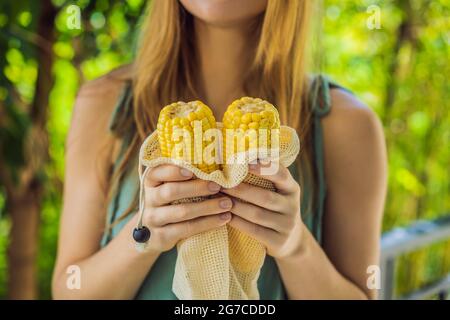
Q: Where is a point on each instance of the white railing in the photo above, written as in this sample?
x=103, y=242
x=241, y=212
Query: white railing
x=403, y=240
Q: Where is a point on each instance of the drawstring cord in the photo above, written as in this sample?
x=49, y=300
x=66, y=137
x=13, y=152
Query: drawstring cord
x=142, y=176
x=141, y=234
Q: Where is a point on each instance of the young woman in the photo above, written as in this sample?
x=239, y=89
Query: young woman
x=322, y=226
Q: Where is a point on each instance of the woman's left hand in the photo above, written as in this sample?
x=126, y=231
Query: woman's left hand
x=272, y=218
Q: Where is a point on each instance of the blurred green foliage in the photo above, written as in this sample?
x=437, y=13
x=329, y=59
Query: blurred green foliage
x=399, y=70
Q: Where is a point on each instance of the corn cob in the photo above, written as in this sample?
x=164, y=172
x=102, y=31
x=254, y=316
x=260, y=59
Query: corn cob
x=244, y=115
x=182, y=115
x=247, y=254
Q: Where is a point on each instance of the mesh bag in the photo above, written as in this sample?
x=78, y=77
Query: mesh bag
x=223, y=263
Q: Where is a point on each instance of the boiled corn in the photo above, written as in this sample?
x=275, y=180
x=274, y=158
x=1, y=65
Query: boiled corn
x=182, y=115
x=241, y=117
x=247, y=254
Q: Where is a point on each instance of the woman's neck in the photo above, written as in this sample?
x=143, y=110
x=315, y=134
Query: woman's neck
x=224, y=56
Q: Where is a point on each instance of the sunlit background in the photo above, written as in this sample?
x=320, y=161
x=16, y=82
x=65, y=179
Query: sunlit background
x=400, y=70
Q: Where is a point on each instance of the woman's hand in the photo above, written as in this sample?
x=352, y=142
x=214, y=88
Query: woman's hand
x=270, y=217
x=169, y=223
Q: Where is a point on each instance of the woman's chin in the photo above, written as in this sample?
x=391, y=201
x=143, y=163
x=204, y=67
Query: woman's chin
x=225, y=13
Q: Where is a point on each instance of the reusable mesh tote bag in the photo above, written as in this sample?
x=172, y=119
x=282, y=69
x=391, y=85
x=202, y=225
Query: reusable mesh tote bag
x=223, y=263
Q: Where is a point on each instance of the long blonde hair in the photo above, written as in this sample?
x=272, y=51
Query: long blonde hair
x=164, y=67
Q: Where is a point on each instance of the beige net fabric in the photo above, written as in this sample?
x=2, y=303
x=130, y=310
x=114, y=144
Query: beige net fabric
x=223, y=263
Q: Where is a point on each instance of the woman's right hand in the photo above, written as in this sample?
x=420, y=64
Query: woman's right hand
x=169, y=223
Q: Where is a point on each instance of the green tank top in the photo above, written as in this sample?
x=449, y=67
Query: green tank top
x=158, y=283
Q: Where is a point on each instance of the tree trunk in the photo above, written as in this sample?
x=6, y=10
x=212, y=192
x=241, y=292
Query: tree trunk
x=404, y=34
x=24, y=197
x=24, y=209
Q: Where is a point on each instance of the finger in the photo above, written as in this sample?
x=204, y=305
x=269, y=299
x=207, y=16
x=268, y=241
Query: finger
x=264, y=235
x=279, y=175
x=186, y=211
x=186, y=229
x=269, y=219
x=261, y=197
x=171, y=191
x=166, y=173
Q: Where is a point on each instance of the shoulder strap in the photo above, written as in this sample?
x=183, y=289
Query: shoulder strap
x=122, y=109
x=320, y=96
x=320, y=106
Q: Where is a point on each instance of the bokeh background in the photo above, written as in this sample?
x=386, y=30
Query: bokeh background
x=400, y=70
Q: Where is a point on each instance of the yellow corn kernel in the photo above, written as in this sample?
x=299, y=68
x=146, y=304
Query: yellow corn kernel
x=182, y=115
x=243, y=127
x=253, y=125
x=192, y=116
x=256, y=117
x=184, y=122
x=246, y=118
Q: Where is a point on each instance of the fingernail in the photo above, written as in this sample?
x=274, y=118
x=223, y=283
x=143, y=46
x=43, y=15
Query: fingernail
x=185, y=172
x=225, y=216
x=225, y=203
x=264, y=161
x=214, y=187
